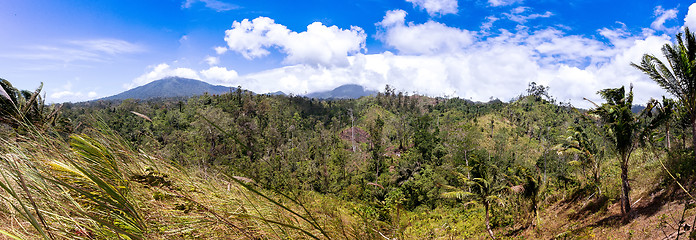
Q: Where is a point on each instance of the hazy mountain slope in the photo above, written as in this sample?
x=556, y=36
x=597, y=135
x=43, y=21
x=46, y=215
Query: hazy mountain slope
x=171, y=87
x=347, y=91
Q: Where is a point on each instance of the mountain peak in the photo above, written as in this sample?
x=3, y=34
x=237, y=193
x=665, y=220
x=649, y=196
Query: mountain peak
x=171, y=87
x=347, y=91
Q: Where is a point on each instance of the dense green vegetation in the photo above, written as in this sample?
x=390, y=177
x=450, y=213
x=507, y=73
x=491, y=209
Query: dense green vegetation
x=243, y=165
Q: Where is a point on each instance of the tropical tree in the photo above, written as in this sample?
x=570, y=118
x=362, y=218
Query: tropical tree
x=24, y=107
x=581, y=143
x=679, y=77
x=623, y=130
x=531, y=191
x=484, y=190
x=663, y=114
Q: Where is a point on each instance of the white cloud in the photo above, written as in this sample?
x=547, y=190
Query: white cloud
x=319, y=45
x=212, y=61
x=662, y=16
x=436, y=7
x=183, y=39
x=216, y=5
x=554, y=47
x=220, y=50
x=91, y=50
x=488, y=24
x=67, y=94
x=497, y=3
x=220, y=75
x=690, y=18
x=517, y=15
x=428, y=38
x=500, y=66
x=64, y=94
x=161, y=71
x=213, y=75
x=108, y=46
x=438, y=60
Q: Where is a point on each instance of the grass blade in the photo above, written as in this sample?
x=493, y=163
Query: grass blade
x=10, y=235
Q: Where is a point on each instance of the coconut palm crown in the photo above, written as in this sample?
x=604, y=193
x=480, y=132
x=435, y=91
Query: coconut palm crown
x=678, y=76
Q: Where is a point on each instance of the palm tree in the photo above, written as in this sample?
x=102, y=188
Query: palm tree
x=531, y=192
x=581, y=143
x=20, y=108
x=484, y=191
x=623, y=130
x=679, y=77
x=665, y=110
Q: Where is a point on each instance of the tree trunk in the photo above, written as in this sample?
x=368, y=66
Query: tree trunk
x=488, y=223
x=536, y=214
x=669, y=139
x=693, y=132
x=595, y=172
x=468, y=172
x=625, y=187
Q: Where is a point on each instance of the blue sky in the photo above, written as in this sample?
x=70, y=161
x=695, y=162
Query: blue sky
x=474, y=49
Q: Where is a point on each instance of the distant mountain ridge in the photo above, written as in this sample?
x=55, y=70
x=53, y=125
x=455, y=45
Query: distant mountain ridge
x=171, y=87
x=185, y=87
x=348, y=91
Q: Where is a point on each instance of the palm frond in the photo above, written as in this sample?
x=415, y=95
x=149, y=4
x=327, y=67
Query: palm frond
x=460, y=195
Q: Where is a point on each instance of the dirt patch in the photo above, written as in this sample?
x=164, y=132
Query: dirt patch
x=656, y=214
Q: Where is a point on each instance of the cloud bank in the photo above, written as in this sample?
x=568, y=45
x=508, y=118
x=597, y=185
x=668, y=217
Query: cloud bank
x=319, y=45
x=438, y=60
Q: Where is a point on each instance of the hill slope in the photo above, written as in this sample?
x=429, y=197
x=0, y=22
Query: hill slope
x=171, y=87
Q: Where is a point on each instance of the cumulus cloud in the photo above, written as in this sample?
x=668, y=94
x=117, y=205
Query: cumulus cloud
x=220, y=50
x=436, y=7
x=67, y=94
x=485, y=26
x=319, y=45
x=428, y=38
x=690, y=18
x=64, y=94
x=497, y=3
x=160, y=71
x=499, y=66
x=519, y=15
x=553, y=46
x=662, y=15
x=219, y=75
x=212, y=75
x=212, y=61
x=438, y=60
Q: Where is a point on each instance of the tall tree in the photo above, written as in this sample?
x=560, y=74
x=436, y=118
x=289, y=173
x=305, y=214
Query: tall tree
x=580, y=142
x=663, y=116
x=485, y=188
x=679, y=77
x=623, y=130
x=376, y=148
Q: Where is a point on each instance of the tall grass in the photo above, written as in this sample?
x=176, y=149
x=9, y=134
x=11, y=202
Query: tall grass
x=73, y=190
x=96, y=186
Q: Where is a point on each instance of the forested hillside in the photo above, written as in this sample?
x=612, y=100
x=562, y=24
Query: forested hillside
x=393, y=165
